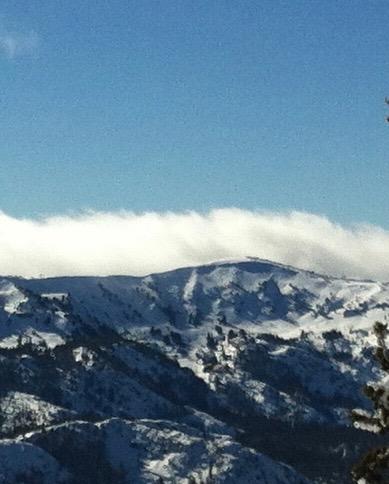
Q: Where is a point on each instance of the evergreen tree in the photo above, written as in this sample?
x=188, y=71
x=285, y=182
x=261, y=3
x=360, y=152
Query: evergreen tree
x=374, y=466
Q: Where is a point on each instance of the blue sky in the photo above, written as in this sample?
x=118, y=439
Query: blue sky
x=193, y=105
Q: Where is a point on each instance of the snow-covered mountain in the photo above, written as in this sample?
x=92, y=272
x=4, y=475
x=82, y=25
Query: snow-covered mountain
x=207, y=374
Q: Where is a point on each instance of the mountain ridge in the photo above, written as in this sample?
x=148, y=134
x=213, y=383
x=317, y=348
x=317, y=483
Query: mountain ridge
x=248, y=348
x=215, y=263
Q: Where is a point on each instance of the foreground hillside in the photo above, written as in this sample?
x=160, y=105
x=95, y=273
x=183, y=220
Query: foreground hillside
x=209, y=374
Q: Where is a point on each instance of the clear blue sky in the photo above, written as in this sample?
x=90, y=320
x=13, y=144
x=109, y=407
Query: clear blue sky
x=178, y=105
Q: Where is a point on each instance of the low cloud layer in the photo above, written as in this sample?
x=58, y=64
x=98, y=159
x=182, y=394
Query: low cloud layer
x=138, y=244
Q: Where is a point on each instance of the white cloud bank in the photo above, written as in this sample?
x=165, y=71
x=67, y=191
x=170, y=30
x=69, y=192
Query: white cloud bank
x=138, y=244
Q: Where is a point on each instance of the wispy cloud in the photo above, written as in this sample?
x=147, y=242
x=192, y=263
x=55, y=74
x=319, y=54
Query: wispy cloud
x=128, y=243
x=16, y=44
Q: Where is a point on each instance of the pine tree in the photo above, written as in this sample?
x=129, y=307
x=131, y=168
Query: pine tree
x=387, y=103
x=374, y=466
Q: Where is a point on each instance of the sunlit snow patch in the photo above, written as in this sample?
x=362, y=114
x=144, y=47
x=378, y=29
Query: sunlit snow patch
x=11, y=297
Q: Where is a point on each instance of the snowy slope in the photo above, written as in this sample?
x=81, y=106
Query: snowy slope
x=144, y=451
x=247, y=349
